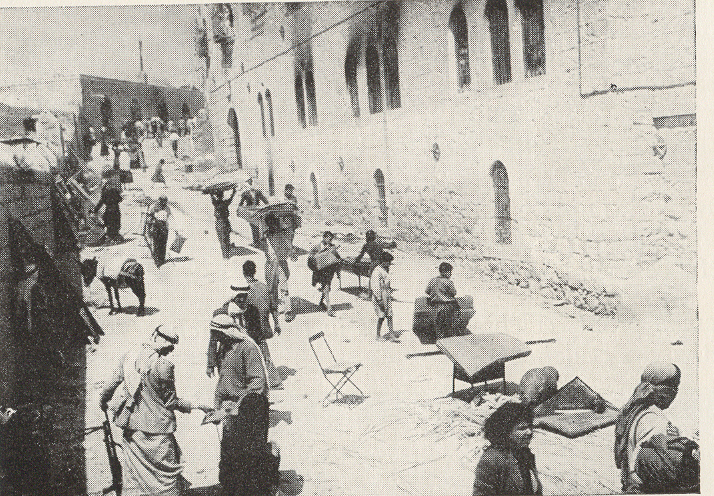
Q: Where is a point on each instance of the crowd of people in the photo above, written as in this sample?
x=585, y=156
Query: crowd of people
x=649, y=451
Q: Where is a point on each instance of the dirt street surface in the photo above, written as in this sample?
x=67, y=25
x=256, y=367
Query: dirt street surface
x=381, y=444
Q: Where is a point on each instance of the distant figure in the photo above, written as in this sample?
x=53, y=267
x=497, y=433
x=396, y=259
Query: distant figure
x=371, y=248
x=158, y=176
x=159, y=228
x=649, y=451
x=110, y=199
x=223, y=224
x=290, y=194
x=324, y=276
x=507, y=465
x=442, y=295
x=104, y=150
x=159, y=133
x=174, y=139
x=252, y=197
x=116, y=148
x=381, y=287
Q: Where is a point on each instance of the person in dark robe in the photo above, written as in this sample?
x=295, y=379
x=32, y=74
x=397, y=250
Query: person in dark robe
x=110, y=199
x=223, y=224
x=159, y=228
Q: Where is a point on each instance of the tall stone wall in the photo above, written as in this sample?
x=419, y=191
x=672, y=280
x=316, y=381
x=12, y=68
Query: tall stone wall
x=588, y=195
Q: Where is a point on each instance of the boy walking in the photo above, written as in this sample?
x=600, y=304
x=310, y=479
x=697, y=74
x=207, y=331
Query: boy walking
x=380, y=285
x=442, y=295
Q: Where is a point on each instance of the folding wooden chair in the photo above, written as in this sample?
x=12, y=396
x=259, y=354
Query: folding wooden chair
x=332, y=367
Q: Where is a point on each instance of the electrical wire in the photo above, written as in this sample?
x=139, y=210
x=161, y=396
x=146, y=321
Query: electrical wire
x=354, y=14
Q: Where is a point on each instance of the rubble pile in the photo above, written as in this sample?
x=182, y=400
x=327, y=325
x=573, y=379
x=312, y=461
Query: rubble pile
x=563, y=288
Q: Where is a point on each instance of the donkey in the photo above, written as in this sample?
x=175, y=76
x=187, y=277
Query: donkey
x=130, y=275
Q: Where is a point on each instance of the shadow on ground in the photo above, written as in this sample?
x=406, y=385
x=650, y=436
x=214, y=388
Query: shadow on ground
x=131, y=309
x=359, y=292
x=147, y=310
x=350, y=400
x=469, y=394
x=240, y=251
x=302, y=306
x=276, y=416
x=178, y=259
x=299, y=251
x=285, y=372
x=291, y=484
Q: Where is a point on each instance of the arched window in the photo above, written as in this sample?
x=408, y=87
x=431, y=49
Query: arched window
x=233, y=123
x=310, y=94
x=269, y=101
x=497, y=15
x=351, y=78
x=460, y=31
x=390, y=29
x=382, y=194
x=502, y=202
x=262, y=114
x=533, y=36
x=373, y=81
x=300, y=98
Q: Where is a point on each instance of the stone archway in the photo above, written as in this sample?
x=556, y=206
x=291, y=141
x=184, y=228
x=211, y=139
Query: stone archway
x=502, y=203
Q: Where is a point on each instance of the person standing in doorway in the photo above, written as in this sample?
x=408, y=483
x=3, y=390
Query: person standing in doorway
x=223, y=224
x=442, y=295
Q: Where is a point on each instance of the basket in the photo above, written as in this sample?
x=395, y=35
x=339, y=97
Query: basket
x=177, y=245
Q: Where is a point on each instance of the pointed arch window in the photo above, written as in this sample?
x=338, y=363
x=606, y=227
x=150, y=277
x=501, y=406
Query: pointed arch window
x=262, y=114
x=269, y=102
x=459, y=29
x=310, y=94
x=351, y=78
x=497, y=14
x=374, y=84
x=533, y=36
x=390, y=56
x=233, y=123
x=300, y=98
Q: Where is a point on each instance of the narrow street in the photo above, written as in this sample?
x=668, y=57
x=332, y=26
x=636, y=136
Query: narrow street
x=377, y=446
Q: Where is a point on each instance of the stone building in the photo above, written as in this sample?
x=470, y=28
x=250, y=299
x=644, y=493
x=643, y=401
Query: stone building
x=81, y=101
x=558, y=132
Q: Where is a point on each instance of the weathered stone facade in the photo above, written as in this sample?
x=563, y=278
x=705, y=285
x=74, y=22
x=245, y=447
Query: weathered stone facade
x=599, y=149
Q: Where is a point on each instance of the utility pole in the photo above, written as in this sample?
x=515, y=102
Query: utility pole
x=144, y=77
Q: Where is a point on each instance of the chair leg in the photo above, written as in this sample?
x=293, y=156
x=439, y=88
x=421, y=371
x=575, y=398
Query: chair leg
x=337, y=386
